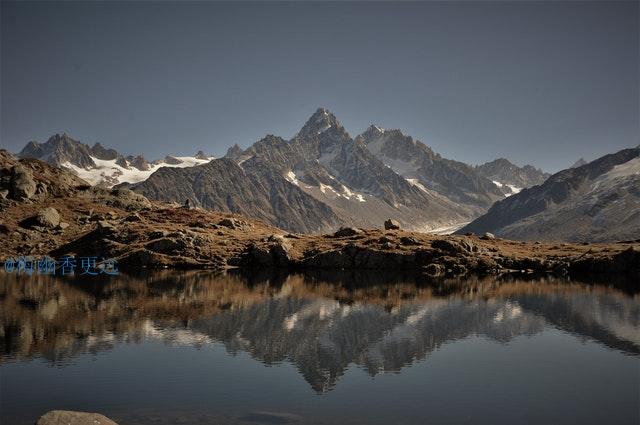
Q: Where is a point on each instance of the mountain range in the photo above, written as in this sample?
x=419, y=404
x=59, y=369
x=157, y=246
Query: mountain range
x=319, y=180
x=99, y=165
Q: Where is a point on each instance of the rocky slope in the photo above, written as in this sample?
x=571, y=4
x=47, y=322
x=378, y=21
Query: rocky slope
x=511, y=178
x=99, y=165
x=48, y=210
x=598, y=201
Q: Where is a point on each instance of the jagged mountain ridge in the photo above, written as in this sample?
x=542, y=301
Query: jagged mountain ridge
x=321, y=164
x=427, y=170
x=511, y=178
x=598, y=201
x=99, y=165
x=357, y=181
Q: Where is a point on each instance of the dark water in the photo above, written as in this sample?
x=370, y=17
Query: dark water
x=196, y=348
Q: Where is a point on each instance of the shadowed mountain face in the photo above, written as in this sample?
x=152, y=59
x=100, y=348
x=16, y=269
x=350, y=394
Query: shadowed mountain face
x=598, y=201
x=322, y=325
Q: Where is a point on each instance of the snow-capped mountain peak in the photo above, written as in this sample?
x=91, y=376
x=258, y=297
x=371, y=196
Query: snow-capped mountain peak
x=100, y=165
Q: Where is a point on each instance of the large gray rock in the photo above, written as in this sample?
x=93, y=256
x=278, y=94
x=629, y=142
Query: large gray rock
x=48, y=217
x=67, y=417
x=22, y=185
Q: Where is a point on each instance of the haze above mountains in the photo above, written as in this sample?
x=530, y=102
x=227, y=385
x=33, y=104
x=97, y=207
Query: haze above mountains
x=323, y=178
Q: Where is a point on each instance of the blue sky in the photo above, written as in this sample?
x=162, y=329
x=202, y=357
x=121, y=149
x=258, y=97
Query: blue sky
x=537, y=82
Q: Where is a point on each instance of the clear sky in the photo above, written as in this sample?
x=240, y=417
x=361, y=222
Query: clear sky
x=537, y=82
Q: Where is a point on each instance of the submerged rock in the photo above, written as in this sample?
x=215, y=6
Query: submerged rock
x=67, y=417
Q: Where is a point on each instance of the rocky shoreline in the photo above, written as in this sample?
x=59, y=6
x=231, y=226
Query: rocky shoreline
x=49, y=211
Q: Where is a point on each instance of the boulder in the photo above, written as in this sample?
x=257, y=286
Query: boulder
x=166, y=245
x=434, y=269
x=346, y=232
x=281, y=254
x=409, y=240
x=21, y=186
x=391, y=224
x=48, y=217
x=231, y=223
x=459, y=269
x=260, y=256
x=158, y=234
x=488, y=236
x=447, y=246
x=133, y=217
x=67, y=417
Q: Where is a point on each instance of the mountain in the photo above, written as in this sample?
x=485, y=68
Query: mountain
x=320, y=179
x=511, y=178
x=428, y=171
x=598, y=201
x=99, y=165
x=579, y=163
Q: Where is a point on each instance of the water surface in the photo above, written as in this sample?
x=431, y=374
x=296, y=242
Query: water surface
x=195, y=348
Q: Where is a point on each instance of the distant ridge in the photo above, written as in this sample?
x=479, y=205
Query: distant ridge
x=598, y=201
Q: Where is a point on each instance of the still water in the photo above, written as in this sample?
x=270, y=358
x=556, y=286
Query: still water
x=200, y=348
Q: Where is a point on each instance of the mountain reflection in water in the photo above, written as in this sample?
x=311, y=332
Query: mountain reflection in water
x=322, y=324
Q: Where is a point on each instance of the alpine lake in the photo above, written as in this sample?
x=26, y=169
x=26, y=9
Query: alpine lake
x=198, y=347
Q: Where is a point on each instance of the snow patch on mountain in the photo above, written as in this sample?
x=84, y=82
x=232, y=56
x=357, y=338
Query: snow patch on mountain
x=109, y=173
x=419, y=185
x=512, y=188
x=292, y=178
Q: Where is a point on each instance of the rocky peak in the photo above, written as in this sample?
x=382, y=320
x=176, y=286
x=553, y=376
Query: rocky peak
x=101, y=152
x=504, y=171
x=372, y=133
x=321, y=121
x=579, y=163
x=201, y=155
x=139, y=162
x=234, y=152
x=59, y=149
x=172, y=160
